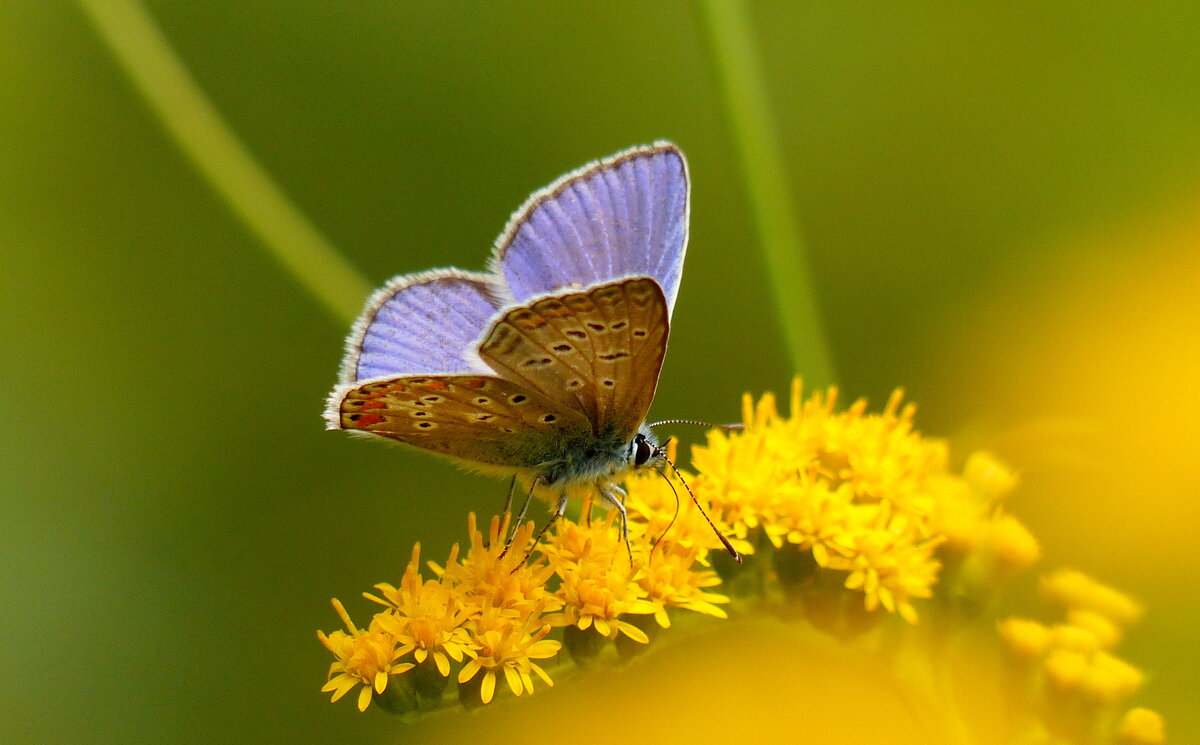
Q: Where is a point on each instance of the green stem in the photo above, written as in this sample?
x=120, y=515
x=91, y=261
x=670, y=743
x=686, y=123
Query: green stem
x=742, y=86
x=198, y=129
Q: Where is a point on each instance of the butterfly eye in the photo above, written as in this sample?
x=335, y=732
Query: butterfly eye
x=642, y=450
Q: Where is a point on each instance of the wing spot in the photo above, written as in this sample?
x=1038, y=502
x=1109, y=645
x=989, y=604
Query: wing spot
x=639, y=332
x=420, y=413
x=483, y=417
x=619, y=325
x=614, y=356
x=483, y=401
x=576, y=334
x=433, y=399
x=537, y=362
x=355, y=417
x=607, y=383
x=425, y=425
x=563, y=347
x=506, y=430
x=549, y=418
x=575, y=383
x=518, y=399
x=596, y=326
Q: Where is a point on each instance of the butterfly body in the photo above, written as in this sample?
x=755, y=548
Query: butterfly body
x=545, y=367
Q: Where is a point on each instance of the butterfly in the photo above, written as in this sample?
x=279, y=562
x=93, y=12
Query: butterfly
x=545, y=366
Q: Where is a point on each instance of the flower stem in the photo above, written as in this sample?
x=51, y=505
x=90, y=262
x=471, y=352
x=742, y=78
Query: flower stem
x=740, y=79
x=196, y=126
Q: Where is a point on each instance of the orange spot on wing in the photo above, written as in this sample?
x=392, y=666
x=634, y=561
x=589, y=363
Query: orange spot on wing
x=474, y=383
x=435, y=385
x=373, y=404
x=366, y=420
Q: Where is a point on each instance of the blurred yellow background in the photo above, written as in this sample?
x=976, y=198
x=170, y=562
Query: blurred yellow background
x=1001, y=204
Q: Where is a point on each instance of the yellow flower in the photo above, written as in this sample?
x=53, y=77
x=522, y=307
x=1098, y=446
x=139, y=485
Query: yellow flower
x=1027, y=638
x=426, y=619
x=740, y=481
x=988, y=477
x=1142, y=727
x=1106, y=633
x=890, y=565
x=365, y=658
x=1066, y=667
x=1074, y=638
x=670, y=580
x=1010, y=543
x=499, y=575
x=1075, y=590
x=590, y=547
x=597, y=584
x=508, y=646
x=1110, y=680
x=1100, y=676
x=818, y=519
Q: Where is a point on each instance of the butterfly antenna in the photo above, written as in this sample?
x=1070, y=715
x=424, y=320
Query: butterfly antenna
x=724, y=541
x=674, y=516
x=736, y=427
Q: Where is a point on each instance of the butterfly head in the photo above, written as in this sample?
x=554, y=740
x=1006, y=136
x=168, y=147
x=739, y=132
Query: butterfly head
x=644, y=450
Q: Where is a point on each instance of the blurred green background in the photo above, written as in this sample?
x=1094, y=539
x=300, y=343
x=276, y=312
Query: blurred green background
x=175, y=517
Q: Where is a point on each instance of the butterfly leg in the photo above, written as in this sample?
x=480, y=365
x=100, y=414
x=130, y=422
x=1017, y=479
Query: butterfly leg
x=587, y=510
x=512, y=533
x=615, y=496
x=512, y=488
x=516, y=524
x=558, y=513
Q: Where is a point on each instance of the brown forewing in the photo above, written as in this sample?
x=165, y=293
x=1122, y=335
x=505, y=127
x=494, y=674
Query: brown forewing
x=476, y=417
x=597, y=351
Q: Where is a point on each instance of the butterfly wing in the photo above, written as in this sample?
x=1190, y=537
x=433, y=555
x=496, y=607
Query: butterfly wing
x=420, y=324
x=621, y=216
x=480, y=418
x=598, y=351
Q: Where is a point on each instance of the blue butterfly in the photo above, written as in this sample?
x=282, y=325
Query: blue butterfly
x=544, y=367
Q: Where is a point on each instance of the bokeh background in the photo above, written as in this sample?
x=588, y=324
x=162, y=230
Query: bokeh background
x=1001, y=203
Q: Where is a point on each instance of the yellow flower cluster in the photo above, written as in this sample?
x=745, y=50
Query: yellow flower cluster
x=851, y=516
x=1070, y=667
x=490, y=612
x=859, y=497
x=486, y=608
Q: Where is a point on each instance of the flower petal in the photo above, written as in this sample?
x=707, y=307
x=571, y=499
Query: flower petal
x=488, y=689
x=514, y=680
x=364, y=698
x=468, y=671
